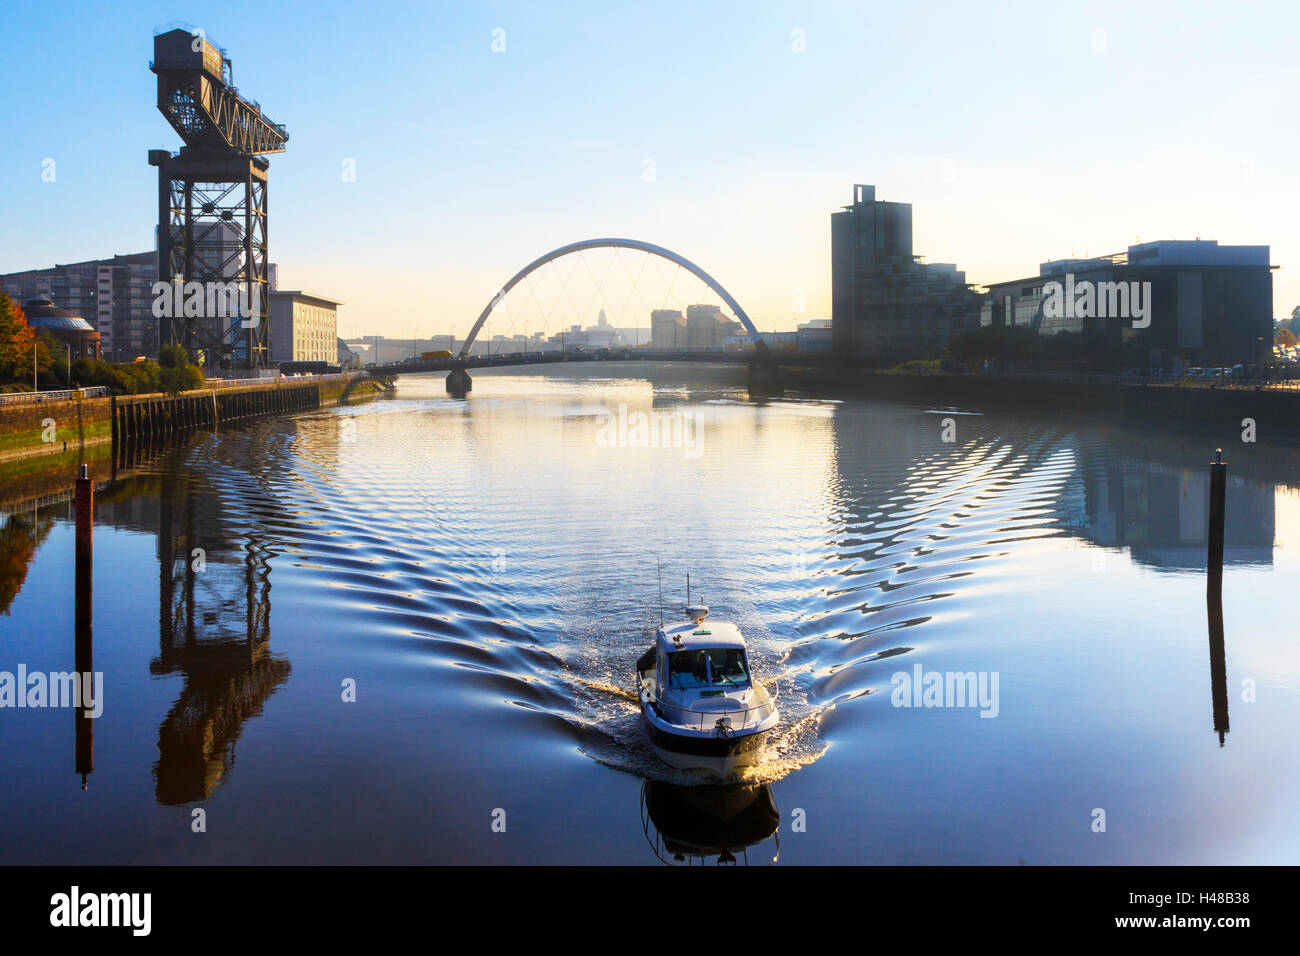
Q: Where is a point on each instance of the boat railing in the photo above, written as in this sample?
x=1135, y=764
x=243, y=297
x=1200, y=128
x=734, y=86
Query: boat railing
x=708, y=719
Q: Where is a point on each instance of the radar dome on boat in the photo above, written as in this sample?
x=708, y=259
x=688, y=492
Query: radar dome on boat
x=697, y=612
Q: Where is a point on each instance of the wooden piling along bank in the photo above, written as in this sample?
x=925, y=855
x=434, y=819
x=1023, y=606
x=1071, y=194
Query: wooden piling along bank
x=45, y=436
x=138, y=417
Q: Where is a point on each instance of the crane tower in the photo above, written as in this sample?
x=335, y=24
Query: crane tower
x=212, y=207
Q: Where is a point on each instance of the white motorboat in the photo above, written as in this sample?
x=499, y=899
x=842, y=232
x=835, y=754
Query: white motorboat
x=701, y=707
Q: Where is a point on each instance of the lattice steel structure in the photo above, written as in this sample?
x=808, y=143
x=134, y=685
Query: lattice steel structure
x=212, y=201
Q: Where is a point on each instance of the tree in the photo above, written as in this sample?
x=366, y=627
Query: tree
x=20, y=536
x=51, y=359
x=1022, y=344
x=175, y=371
x=976, y=345
x=17, y=339
x=121, y=378
x=1285, y=338
x=1019, y=344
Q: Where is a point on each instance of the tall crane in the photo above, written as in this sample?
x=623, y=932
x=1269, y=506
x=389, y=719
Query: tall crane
x=212, y=210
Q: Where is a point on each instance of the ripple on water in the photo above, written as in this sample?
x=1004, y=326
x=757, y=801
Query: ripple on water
x=498, y=539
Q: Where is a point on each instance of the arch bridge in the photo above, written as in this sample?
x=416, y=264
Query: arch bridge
x=761, y=360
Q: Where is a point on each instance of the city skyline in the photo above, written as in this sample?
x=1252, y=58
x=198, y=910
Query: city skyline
x=492, y=158
x=750, y=432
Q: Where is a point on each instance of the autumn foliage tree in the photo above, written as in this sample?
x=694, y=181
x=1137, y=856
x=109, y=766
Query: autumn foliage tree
x=20, y=536
x=17, y=339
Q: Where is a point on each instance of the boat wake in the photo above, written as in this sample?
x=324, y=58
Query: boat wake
x=433, y=561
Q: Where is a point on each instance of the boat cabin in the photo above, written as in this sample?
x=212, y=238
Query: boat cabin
x=703, y=659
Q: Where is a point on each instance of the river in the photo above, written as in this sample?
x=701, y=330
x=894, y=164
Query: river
x=404, y=632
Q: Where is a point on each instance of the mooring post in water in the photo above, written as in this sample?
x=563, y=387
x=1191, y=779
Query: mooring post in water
x=85, y=516
x=85, y=506
x=1218, y=664
x=1214, y=594
x=1214, y=563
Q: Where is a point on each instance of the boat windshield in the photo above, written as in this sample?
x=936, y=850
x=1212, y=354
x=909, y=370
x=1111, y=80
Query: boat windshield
x=727, y=667
x=716, y=667
x=687, y=669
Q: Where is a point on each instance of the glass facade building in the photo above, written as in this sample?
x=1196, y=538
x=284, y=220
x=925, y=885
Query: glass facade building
x=1158, y=304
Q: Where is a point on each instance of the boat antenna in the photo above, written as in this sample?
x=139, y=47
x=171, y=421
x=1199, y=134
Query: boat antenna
x=688, y=588
x=659, y=571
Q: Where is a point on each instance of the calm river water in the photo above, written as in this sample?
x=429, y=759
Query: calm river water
x=483, y=574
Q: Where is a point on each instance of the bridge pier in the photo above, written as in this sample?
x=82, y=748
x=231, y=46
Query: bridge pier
x=458, y=382
x=765, y=378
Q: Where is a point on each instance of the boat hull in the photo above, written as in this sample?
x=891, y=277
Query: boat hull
x=720, y=755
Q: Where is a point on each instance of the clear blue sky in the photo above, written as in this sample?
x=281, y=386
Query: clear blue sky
x=1019, y=132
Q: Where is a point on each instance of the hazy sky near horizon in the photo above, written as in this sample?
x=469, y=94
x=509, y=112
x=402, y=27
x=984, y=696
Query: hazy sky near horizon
x=1019, y=133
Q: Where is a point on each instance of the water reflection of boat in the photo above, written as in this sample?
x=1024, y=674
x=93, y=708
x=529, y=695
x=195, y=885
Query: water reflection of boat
x=700, y=706
x=686, y=826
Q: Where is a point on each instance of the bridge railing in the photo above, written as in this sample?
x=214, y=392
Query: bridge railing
x=273, y=380
x=636, y=354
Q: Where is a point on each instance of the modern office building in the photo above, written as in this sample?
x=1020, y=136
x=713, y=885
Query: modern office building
x=707, y=326
x=886, y=305
x=304, y=327
x=667, y=329
x=1166, y=303
x=816, y=335
x=114, y=295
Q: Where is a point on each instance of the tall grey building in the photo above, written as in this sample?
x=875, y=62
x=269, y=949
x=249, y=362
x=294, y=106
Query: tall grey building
x=115, y=295
x=707, y=325
x=886, y=305
x=667, y=329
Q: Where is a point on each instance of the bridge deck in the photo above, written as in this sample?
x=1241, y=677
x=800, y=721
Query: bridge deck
x=506, y=360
